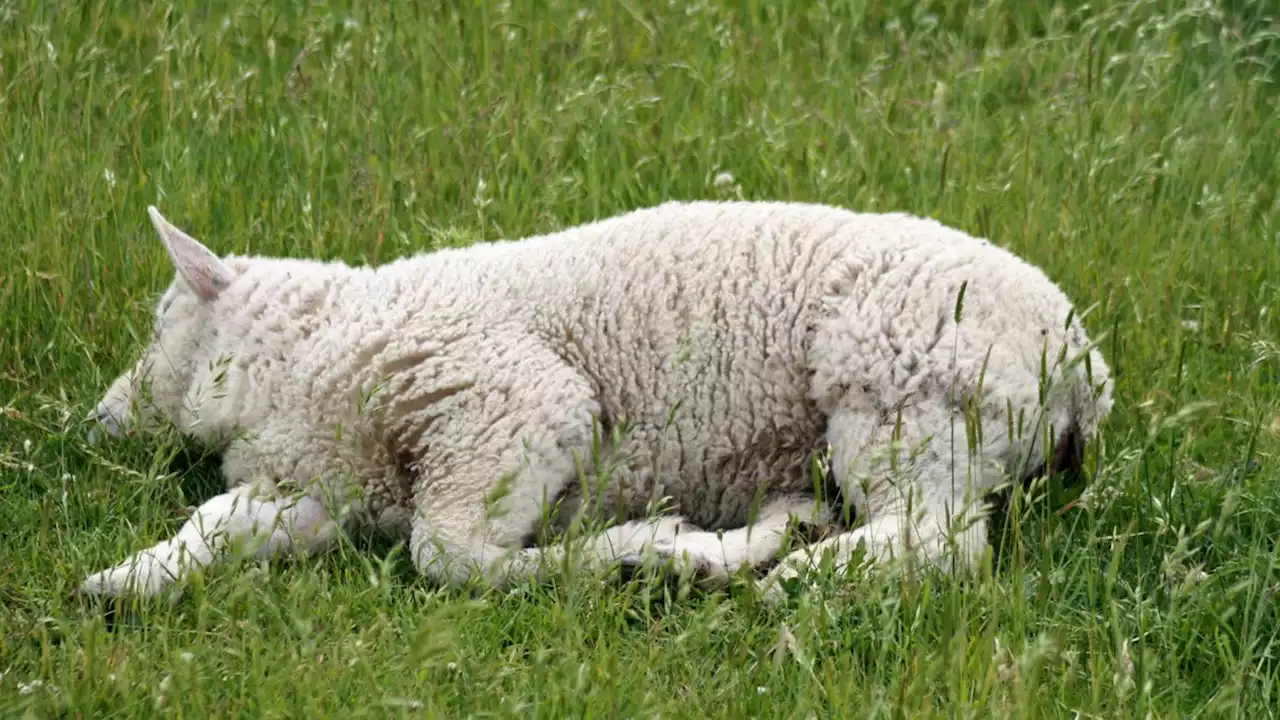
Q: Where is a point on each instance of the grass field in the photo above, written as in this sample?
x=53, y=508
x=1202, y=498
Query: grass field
x=1128, y=148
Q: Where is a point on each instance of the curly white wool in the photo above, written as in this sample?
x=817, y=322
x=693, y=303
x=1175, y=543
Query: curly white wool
x=733, y=341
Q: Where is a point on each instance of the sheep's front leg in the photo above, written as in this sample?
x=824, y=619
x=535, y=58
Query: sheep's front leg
x=517, y=425
x=293, y=525
x=479, y=502
x=714, y=556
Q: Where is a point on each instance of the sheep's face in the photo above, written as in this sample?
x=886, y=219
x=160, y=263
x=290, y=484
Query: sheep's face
x=159, y=384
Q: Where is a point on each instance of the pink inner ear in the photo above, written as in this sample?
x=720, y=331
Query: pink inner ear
x=204, y=279
x=202, y=270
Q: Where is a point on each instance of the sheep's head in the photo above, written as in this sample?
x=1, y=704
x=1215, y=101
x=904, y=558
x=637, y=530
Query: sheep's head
x=159, y=384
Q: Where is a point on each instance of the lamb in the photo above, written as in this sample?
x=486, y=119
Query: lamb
x=706, y=353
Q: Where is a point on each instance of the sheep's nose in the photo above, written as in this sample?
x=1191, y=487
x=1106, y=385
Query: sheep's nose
x=106, y=421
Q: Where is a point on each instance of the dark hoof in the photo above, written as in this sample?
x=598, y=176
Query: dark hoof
x=657, y=566
x=671, y=570
x=806, y=533
x=105, y=604
x=632, y=566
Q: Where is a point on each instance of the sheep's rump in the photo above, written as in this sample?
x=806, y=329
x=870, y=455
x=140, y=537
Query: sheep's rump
x=723, y=335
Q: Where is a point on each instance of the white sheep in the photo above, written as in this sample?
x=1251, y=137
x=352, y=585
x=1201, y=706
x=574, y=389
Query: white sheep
x=454, y=397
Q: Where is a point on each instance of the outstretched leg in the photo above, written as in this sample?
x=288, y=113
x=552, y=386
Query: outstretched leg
x=294, y=525
x=600, y=550
x=714, y=556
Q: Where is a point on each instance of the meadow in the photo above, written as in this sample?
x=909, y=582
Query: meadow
x=1130, y=149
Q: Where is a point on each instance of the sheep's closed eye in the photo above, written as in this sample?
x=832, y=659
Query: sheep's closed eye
x=160, y=314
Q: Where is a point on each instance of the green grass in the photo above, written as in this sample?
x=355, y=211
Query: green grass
x=1130, y=149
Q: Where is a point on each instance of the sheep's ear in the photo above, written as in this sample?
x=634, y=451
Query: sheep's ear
x=198, y=265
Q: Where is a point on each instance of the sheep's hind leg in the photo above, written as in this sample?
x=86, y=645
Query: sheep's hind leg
x=293, y=525
x=928, y=506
